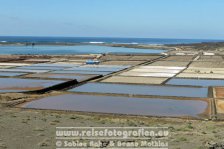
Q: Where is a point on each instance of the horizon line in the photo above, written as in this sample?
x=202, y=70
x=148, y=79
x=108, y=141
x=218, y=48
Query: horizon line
x=109, y=37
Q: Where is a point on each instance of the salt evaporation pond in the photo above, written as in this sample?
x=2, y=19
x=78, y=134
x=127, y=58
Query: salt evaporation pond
x=110, y=88
x=121, y=105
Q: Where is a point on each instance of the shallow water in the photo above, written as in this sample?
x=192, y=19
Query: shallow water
x=107, y=69
x=84, y=49
x=55, y=65
x=24, y=70
x=121, y=105
x=196, y=82
x=11, y=74
x=18, y=85
x=41, y=68
x=84, y=72
x=142, y=90
x=107, y=66
x=79, y=78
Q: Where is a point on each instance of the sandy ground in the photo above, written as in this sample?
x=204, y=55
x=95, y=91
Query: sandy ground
x=179, y=58
x=26, y=129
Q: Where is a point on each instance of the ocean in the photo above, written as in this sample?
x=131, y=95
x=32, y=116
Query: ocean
x=101, y=40
x=85, y=49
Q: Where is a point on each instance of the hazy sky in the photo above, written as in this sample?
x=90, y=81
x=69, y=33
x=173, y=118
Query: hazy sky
x=113, y=18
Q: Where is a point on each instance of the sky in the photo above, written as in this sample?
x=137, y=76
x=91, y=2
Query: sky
x=186, y=19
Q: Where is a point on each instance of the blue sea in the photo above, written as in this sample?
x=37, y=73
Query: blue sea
x=102, y=40
x=89, y=48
